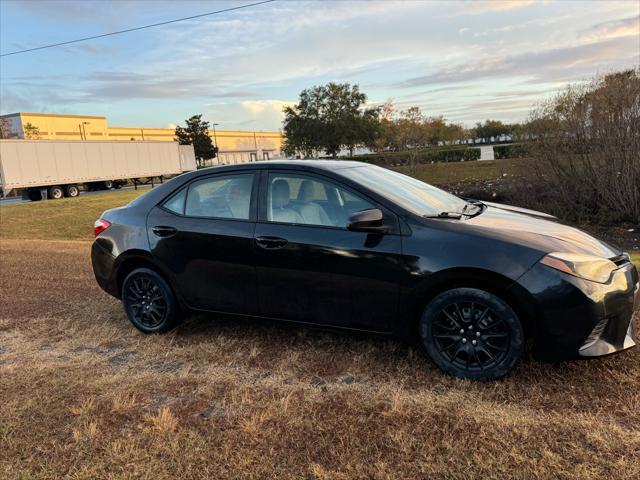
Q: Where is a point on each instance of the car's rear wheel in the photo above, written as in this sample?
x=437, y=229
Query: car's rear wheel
x=471, y=333
x=149, y=302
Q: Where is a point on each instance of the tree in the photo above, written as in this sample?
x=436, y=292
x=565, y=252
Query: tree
x=382, y=138
x=5, y=128
x=31, y=132
x=491, y=128
x=328, y=118
x=436, y=130
x=410, y=133
x=196, y=133
x=585, y=146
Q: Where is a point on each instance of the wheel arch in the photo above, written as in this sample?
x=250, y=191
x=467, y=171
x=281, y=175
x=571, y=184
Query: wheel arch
x=132, y=259
x=503, y=287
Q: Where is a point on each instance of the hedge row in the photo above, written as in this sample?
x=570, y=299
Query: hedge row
x=516, y=150
x=421, y=156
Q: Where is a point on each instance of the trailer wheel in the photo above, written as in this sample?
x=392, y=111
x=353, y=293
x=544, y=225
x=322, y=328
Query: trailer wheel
x=56, y=193
x=108, y=185
x=72, y=191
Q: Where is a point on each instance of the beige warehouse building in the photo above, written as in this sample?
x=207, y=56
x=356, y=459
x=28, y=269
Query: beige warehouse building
x=235, y=146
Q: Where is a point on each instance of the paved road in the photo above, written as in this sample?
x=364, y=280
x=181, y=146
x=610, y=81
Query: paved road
x=15, y=201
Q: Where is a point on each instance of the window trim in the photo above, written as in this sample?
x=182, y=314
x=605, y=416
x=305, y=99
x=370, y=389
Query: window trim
x=252, y=202
x=264, y=192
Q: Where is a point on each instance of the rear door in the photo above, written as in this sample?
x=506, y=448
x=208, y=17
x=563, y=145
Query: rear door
x=203, y=234
x=311, y=268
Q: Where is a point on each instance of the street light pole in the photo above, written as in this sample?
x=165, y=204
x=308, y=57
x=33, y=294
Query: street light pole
x=83, y=128
x=215, y=139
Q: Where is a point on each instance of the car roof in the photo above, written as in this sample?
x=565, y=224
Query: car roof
x=331, y=165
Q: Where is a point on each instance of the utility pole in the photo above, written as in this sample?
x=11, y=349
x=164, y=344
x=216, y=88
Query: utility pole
x=215, y=139
x=83, y=129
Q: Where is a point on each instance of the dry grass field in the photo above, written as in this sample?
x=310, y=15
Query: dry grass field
x=85, y=395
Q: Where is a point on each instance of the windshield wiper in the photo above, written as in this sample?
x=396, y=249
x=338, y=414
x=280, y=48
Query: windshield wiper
x=455, y=215
x=458, y=215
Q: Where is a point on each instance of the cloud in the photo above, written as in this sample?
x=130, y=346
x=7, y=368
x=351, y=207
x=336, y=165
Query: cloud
x=253, y=114
x=559, y=64
x=613, y=29
x=478, y=7
x=244, y=65
x=118, y=86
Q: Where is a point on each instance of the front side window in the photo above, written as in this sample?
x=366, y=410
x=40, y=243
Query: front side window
x=227, y=196
x=310, y=200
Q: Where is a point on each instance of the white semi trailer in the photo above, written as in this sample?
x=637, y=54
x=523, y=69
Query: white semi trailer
x=54, y=169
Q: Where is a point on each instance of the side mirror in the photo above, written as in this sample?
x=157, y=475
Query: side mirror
x=371, y=221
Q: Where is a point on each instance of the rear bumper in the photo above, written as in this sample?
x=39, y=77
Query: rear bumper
x=103, y=268
x=576, y=318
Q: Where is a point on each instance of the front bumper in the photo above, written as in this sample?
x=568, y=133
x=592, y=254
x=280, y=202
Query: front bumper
x=576, y=318
x=606, y=338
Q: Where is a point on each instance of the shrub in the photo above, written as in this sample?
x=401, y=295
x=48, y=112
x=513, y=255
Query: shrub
x=516, y=150
x=586, y=148
x=420, y=156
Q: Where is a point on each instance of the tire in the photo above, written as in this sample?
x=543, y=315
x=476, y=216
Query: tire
x=35, y=195
x=56, y=193
x=72, y=191
x=149, y=301
x=471, y=333
x=107, y=185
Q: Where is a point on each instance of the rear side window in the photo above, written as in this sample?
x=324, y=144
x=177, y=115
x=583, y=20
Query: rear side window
x=176, y=202
x=226, y=196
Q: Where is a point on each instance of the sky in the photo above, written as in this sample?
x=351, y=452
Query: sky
x=465, y=60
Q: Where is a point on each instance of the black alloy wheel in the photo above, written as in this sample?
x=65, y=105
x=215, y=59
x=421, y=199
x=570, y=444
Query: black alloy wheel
x=472, y=333
x=149, y=301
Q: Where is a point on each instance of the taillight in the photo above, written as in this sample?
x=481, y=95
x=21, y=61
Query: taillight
x=100, y=226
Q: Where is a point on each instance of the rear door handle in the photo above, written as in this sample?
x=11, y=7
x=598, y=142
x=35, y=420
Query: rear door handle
x=271, y=243
x=163, y=231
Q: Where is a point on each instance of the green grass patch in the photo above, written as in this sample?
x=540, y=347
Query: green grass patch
x=635, y=258
x=64, y=219
x=447, y=173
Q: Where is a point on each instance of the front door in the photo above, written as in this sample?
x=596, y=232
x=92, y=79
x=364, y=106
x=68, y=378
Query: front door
x=204, y=235
x=311, y=268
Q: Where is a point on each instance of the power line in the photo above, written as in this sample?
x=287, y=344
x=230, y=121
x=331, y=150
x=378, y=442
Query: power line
x=136, y=28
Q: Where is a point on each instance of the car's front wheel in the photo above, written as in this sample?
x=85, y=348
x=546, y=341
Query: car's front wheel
x=149, y=302
x=471, y=333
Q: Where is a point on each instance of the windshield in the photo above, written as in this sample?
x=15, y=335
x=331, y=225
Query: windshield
x=407, y=192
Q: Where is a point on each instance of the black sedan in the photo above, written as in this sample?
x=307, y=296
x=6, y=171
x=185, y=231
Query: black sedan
x=359, y=247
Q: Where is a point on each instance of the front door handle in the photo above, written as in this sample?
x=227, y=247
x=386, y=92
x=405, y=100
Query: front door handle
x=163, y=231
x=271, y=243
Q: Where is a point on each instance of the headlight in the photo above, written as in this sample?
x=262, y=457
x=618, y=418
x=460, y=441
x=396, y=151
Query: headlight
x=589, y=267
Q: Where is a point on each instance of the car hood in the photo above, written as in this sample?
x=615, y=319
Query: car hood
x=539, y=231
